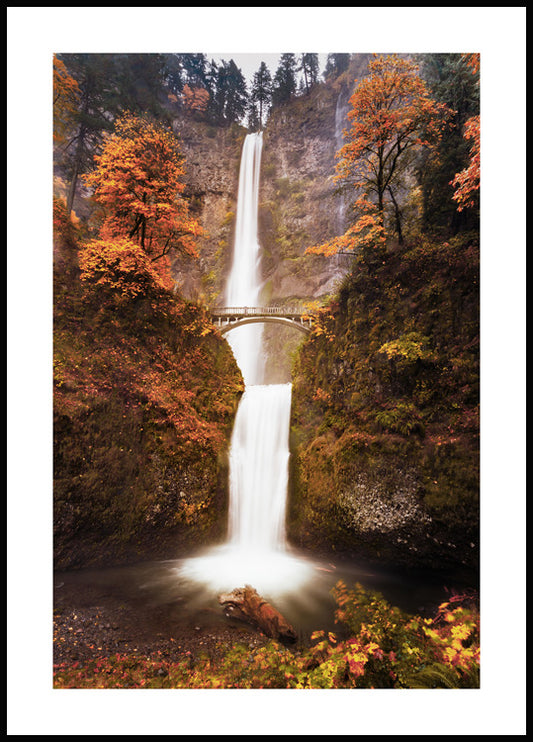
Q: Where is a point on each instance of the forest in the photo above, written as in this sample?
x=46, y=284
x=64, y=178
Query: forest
x=368, y=206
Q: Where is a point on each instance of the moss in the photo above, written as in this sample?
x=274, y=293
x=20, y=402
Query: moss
x=388, y=381
x=144, y=401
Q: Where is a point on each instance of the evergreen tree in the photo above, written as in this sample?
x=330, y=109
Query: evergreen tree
x=237, y=97
x=336, y=64
x=451, y=82
x=98, y=103
x=194, y=69
x=173, y=73
x=262, y=92
x=284, y=83
x=309, y=67
x=254, y=123
x=230, y=96
x=140, y=80
x=211, y=75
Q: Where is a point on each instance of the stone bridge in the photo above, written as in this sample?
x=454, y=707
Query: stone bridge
x=228, y=318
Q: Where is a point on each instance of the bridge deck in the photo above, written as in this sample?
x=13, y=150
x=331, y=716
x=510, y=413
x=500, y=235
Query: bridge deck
x=247, y=311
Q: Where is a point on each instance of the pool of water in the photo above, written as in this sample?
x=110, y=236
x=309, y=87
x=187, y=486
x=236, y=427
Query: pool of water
x=298, y=586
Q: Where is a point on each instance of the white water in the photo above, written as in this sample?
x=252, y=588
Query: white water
x=244, y=284
x=259, y=459
x=341, y=110
x=256, y=552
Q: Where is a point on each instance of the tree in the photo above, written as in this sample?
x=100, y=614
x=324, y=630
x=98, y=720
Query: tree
x=236, y=94
x=195, y=99
x=173, y=74
x=66, y=98
x=108, y=84
x=284, y=83
x=254, y=124
x=194, y=69
x=392, y=118
x=451, y=81
x=139, y=81
x=96, y=105
x=230, y=97
x=262, y=91
x=138, y=182
x=336, y=64
x=466, y=182
x=309, y=67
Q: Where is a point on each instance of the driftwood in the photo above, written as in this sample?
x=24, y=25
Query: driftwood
x=245, y=603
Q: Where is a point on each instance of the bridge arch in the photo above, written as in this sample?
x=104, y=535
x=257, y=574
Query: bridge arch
x=227, y=319
x=251, y=320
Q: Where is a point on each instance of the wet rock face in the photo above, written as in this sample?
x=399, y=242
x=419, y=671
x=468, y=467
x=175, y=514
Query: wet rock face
x=369, y=506
x=212, y=159
x=373, y=508
x=299, y=206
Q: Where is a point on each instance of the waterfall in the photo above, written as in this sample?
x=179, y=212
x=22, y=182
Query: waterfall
x=256, y=551
x=341, y=109
x=259, y=458
x=244, y=280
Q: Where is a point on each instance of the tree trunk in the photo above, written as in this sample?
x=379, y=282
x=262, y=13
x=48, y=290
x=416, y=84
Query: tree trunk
x=74, y=180
x=246, y=604
x=397, y=217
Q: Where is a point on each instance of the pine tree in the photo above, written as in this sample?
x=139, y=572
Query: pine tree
x=309, y=67
x=230, y=96
x=336, y=64
x=262, y=92
x=108, y=84
x=194, y=69
x=254, y=123
x=97, y=104
x=173, y=73
x=284, y=83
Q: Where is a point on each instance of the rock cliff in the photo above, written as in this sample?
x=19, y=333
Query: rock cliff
x=299, y=206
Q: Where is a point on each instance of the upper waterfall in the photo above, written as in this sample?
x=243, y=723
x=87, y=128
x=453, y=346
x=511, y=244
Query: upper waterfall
x=244, y=281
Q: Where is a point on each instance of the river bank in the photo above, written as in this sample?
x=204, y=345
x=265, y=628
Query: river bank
x=94, y=619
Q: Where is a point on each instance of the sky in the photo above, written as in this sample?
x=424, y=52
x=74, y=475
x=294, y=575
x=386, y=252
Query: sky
x=249, y=63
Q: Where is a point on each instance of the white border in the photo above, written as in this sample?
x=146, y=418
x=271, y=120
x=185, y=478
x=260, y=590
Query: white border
x=33, y=35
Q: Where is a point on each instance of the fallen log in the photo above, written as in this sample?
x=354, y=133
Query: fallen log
x=246, y=604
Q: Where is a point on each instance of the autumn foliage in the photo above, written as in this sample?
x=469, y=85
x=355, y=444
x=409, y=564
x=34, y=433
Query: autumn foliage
x=466, y=182
x=66, y=100
x=120, y=266
x=386, y=648
x=195, y=98
x=139, y=183
x=392, y=117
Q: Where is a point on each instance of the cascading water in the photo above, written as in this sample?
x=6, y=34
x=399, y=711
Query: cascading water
x=244, y=286
x=256, y=552
x=341, y=109
x=259, y=458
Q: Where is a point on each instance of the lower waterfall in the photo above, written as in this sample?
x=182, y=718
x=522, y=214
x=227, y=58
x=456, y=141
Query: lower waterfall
x=259, y=459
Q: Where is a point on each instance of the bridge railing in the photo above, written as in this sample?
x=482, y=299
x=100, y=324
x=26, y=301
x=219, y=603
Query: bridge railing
x=246, y=311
